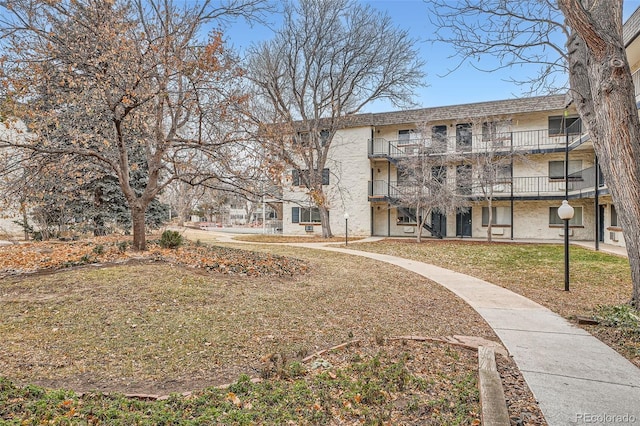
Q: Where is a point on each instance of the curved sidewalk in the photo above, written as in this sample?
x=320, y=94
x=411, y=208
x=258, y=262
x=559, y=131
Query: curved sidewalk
x=575, y=377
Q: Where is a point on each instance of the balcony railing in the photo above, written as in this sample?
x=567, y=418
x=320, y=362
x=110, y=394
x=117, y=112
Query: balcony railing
x=521, y=186
x=526, y=140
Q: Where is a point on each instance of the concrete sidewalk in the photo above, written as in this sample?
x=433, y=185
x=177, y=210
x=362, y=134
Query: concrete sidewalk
x=575, y=377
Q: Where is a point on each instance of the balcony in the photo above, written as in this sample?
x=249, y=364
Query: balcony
x=581, y=183
x=528, y=141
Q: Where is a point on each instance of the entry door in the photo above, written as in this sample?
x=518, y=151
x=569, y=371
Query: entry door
x=463, y=223
x=439, y=223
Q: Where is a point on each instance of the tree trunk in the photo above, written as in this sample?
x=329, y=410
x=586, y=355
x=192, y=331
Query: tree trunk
x=324, y=221
x=420, y=221
x=25, y=220
x=139, y=234
x=603, y=90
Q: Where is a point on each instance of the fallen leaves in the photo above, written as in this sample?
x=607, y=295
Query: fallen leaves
x=53, y=255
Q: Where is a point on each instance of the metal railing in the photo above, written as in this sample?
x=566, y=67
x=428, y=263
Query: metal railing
x=525, y=140
x=528, y=186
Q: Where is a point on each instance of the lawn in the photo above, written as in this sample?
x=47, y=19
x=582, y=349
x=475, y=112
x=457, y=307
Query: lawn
x=598, y=281
x=184, y=321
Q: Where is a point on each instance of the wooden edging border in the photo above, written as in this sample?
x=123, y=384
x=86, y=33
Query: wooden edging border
x=492, y=401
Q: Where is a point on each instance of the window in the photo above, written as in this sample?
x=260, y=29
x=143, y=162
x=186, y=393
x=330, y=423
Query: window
x=303, y=138
x=614, y=216
x=324, y=137
x=408, y=136
x=500, y=216
x=489, y=130
x=463, y=136
x=558, y=124
x=439, y=134
x=504, y=172
x=463, y=179
x=439, y=173
x=554, y=219
x=305, y=215
x=407, y=216
x=405, y=175
x=404, y=136
x=296, y=181
x=556, y=169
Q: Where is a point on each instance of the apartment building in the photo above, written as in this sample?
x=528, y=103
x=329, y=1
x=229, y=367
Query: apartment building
x=551, y=158
x=364, y=177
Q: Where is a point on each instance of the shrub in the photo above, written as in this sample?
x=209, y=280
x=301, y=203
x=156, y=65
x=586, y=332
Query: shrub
x=122, y=246
x=171, y=239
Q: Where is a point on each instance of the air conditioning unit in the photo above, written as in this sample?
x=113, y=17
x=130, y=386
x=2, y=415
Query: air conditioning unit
x=308, y=228
x=570, y=232
x=497, y=231
x=408, y=229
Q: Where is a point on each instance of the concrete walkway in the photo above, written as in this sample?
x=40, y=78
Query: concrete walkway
x=575, y=377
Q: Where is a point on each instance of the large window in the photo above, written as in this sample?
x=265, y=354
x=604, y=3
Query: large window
x=554, y=219
x=614, y=216
x=297, y=181
x=439, y=135
x=305, y=215
x=408, y=136
x=463, y=136
x=463, y=179
x=556, y=169
x=500, y=216
x=496, y=132
x=558, y=124
x=406, y=216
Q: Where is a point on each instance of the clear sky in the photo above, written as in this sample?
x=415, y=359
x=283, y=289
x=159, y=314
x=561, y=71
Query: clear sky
x=464, y=85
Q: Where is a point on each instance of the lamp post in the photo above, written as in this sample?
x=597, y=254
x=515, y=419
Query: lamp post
x=565, y=212
x=346, y=228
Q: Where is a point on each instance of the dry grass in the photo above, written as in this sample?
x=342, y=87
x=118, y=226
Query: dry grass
x=162, y=328
x=537, y=272
x=257, y=238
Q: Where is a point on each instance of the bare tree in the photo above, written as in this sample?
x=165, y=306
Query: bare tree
x=107, y=81
x=327, y=62
x=425, y=180
x=599, y=75
x=183, y=198
x=521, y=34
x=492, y=161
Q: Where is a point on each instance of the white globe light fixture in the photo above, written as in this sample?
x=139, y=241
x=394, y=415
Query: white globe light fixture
x=565, y=212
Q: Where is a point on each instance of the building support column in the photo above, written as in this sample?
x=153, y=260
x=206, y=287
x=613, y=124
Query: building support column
x=597, y=204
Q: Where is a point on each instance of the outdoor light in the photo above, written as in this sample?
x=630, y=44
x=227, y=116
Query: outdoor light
x=565, y=212
x=346, y=228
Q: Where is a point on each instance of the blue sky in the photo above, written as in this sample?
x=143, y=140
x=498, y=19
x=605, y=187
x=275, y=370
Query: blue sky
x=465, y=85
